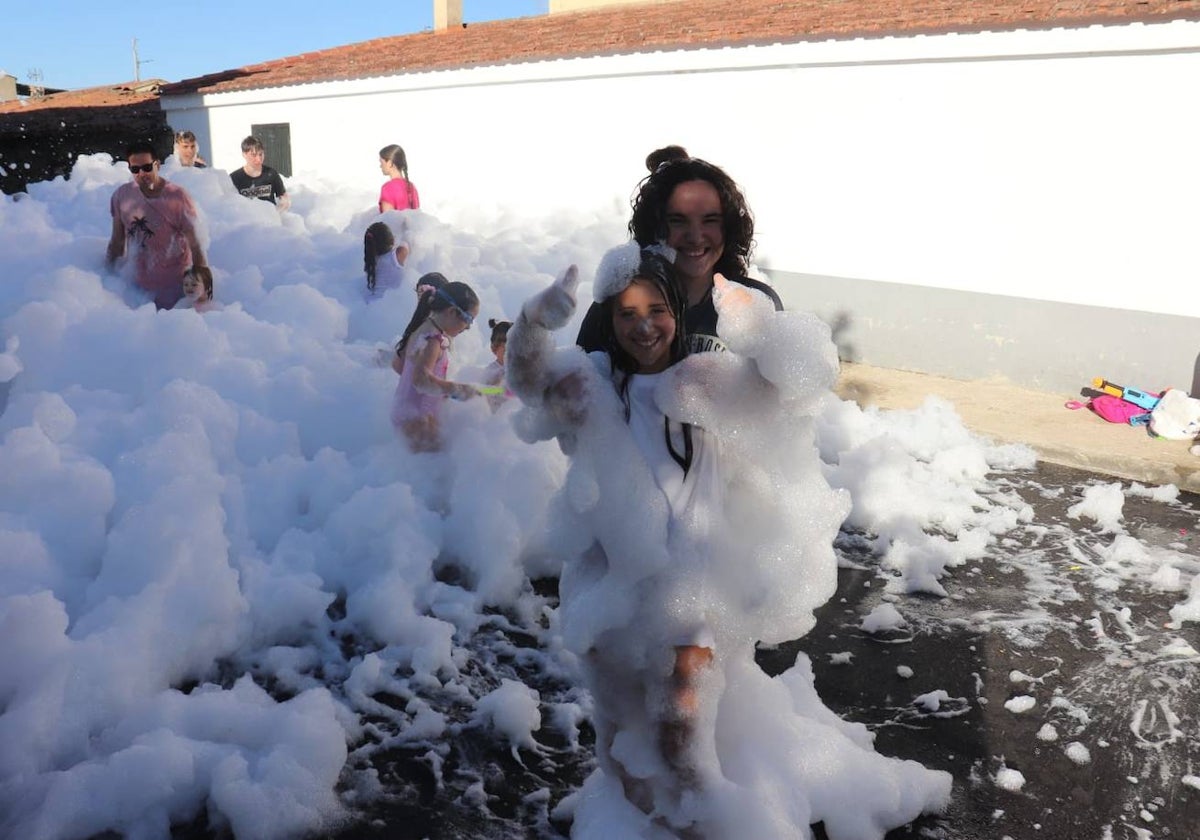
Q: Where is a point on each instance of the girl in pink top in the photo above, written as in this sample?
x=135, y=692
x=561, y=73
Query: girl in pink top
x=398, y=193
x=422, y=359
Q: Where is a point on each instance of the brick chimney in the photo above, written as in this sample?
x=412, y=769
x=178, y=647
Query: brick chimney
x=447, y=14
x=8, y=87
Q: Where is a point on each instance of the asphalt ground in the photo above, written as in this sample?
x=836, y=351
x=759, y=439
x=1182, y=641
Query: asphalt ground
x=1114, y=683
x=1132, y=705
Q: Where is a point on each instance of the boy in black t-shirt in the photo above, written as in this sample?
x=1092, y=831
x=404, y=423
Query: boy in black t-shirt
x=255, y=180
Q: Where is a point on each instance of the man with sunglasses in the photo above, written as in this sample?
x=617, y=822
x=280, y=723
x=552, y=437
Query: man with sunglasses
x=154, y=224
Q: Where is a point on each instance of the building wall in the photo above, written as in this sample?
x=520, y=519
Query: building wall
x=1049, y=171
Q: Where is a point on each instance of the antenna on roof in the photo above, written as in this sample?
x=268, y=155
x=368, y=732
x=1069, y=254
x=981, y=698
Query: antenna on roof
x=36, y=89
x=138, y=62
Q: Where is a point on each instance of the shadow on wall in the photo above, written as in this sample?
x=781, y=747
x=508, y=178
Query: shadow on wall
x=1195, y=392
x=839, y=327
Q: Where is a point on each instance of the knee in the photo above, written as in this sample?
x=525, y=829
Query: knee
x=690, y=660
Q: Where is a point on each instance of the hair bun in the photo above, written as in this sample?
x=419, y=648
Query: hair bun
x=665, y=155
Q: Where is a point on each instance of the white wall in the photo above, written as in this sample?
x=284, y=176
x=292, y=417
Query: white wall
x=1052, y=165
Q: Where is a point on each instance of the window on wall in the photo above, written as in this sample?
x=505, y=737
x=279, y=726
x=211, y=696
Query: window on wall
x=277, y=145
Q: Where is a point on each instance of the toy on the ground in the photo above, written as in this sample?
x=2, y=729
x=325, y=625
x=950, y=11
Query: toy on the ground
x=1142, y=399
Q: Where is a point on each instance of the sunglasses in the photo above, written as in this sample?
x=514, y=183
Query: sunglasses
x=145, y=167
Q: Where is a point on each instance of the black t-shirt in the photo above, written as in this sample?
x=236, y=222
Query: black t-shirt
x=700, y=321
x=268, y=186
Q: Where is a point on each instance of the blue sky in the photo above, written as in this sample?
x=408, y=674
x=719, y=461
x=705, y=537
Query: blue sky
x=83, y=44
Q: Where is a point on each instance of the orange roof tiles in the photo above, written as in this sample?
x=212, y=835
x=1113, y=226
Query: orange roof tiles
x=107, y=96
x=684, y=23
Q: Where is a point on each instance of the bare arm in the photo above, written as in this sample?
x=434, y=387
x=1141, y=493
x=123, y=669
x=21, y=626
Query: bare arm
x=283, y=201
x=428, y=382
x=385, y=206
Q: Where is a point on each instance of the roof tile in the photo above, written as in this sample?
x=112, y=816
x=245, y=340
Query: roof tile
x=682, y=23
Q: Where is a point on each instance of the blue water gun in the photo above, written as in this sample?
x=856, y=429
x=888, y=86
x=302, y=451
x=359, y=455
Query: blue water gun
x=1141, y=399
x=1132, y=395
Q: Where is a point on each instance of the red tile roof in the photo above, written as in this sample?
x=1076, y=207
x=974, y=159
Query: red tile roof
x=107, y=96
x=683, y=23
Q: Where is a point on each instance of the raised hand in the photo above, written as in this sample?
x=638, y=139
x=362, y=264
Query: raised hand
x=553, y=307
x=729, y=297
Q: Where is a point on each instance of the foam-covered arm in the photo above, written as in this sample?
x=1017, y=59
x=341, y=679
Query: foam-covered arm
x=719, y=392
x=550, y=381
x=792, y=350
x=530, y=346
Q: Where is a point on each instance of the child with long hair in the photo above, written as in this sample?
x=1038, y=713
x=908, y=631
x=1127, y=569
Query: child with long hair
x=673, y=579
x=444, y=310
x=399, y=193
x=383, y=259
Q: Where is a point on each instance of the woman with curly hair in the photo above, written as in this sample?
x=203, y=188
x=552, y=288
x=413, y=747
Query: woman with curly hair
x=695, y=208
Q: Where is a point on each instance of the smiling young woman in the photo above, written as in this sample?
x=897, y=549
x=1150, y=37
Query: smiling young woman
x=697, y=209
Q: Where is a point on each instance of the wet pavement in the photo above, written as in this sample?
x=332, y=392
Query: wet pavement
x=1039, y=617
x=1031, y=620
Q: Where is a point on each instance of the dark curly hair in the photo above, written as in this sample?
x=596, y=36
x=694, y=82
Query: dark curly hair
x=648, y=223
x=664, y=155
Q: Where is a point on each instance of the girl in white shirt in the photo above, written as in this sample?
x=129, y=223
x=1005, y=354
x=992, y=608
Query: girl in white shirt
x=383, y=259
x=667, y=575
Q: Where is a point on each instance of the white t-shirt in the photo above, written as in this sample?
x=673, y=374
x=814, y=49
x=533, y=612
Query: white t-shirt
x=389, y=274
x=695, y=498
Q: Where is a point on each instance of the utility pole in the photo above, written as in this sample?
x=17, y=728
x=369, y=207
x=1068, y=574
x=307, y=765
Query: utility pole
x=138, y=62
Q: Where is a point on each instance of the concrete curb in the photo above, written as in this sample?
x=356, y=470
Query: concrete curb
x=1009, y=414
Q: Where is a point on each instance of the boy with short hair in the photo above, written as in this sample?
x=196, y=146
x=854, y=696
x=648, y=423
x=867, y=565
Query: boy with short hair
x=185, y=150
x=256, y=180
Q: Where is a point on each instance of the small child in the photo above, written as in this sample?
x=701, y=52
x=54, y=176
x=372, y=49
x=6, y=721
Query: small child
x=383, y=259
x=444, y=310
x=197, y=289
x=493, y=374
